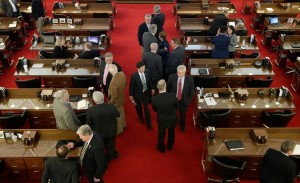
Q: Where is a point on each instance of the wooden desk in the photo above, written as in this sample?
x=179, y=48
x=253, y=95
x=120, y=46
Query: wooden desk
x=5, y=21
x=284, y=26
x=252, y=153
x=234, y=78
x=195, y=24
x=196, y=9
x=5, y=51
x=27, y=164
x=201, y=43
x=285, y=44
x=24, y=7
x=40, y=113
x=88, y=24
x=293, y=10
x=69, y=9
x=53, y=79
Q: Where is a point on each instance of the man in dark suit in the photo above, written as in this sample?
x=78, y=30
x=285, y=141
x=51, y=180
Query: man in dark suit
x=140, y=90
x=143, y=28
x=176, y=58
x=10, y=8
x=221, y=42
x=61, y=169
x=149, y=37
x=166, y=105
x=183, y=86
x=92, y=156
x=105, y=76
x=102, y=119
x=158, y=18
x=277, y=167
x=153, y=63
x=38, y=14
x=219, y=20
x=89, y=52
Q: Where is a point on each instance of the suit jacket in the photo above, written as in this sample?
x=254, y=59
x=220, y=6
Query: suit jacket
x=7, y=8
x=136, y=86
x=109, y=76
x=116, y=90
x=159, y=20
x=153, y=63
x=219, y=20
x=102, y=119
x=187, y=91
x=276, y=167
x=61, y=170
x=89, y=54
x=37, y=9
x=148, y=38
x=241, y=32
x=221, y=43
x=164, y=54
x=94, y=162
x=142, y=29
x=60, y=52
x=65, y=116
x=166, y=105
x=176, y=58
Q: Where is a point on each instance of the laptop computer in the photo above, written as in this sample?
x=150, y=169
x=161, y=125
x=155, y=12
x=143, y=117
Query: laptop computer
x=274, y=21
x=49, y=40
x=295, y=45
x=93, y=39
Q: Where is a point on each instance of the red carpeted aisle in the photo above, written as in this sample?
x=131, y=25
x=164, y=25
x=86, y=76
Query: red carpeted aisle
x=139, y=160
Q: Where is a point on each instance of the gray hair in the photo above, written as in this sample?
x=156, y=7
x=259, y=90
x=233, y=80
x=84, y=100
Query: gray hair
x=88, y=45
x=287, y=146
x=84, y=130
x=148, y=16
x=181, y=67
x=157, y=9
x=108, y=54
x=240, y=25
x=113, y=69
x=98, y=97
x=161, y=85
x=62, y=94
x=152, y=28
x=154, y=46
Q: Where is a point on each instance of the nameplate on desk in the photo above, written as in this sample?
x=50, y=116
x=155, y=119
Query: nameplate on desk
x=37, y=65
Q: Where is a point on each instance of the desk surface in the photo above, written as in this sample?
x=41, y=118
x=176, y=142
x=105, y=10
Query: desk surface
x=277, y=9
x=289, y=39
x=254, y=101
x=78, y=67
x=88, y=24
x=195, y=24
x=196, y=9
x=275, y=137
x=284, y=25
x=92, y=8
x=5, y=21
x=46, y=146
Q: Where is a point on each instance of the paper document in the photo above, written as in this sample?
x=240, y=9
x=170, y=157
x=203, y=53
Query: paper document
x=297, y=150
x=12, y=25
x=37, y=65
x=270, y=9
x=210, y=101
x=195, y=72
x=192, y=47
x=82, y=104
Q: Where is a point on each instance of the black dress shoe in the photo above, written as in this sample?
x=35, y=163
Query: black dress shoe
x=182, y=129
x=141, y=120
x=149, y=127
x=170, y=148
x=116, y=155
x=162, y=150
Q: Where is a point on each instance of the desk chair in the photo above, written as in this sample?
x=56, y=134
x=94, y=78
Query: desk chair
x=29, y=83
x=258, y=82
x=13, y=120
x=296, y=159
x=292, y=57
x=226, y=169
x=200, y=55
x=216, y=118
x=277, y=118
x=2, y=167
x=84, y=82
x=276, y=36
x=28, y=21
x=252, y=55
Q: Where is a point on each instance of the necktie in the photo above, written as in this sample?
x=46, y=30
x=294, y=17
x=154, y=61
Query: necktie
x=144, y=83
x=105, y=74
x=83, y=152
x=179, y=89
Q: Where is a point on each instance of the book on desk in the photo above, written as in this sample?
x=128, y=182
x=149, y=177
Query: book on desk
x=234, y=145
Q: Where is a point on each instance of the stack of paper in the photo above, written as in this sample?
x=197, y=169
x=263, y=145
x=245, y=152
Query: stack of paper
x=82, y=104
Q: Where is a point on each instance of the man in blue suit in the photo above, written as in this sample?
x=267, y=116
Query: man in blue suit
x=221, y=42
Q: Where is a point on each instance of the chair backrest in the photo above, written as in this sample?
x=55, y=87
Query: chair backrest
x=227, y=168
x=296, y=159
x=100, y=15
x=83, y=82
x=30, y=83
x=13, y=120
x=205, y=81
x=26, y=16
x=216, y=118
x=277, y=119
x=292, y=56
x=258, y=82
x=200, y=55
x=252, y=55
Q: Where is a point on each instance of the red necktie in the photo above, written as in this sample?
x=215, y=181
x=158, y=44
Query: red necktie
x=179, y=89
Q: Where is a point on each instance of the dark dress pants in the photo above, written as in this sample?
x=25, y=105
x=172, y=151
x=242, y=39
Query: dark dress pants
x=110, y=143
x=161, y=137
x=182, y=113
x=143, y=103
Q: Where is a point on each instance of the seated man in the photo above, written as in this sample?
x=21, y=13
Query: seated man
x=240, y=29
x=89, y=52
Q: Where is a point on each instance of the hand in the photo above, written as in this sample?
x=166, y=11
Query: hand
x=132, y=100
x=165, y=49
x=152, y=92
x=96, y=180
x=70, y=145
x=75, y=56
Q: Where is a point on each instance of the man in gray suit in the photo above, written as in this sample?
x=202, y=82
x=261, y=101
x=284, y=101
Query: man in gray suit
x=64, y=114
x=10, y=8
x=149, y=37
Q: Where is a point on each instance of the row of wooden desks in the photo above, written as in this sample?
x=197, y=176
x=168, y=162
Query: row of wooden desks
x=182, y=9
x=277, y=9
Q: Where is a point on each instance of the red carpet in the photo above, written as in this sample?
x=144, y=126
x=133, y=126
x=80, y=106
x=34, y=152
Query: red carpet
x=139, y=160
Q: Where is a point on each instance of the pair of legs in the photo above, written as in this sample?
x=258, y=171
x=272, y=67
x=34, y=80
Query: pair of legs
x=182, y=114
x=143, y=103
x=110, y=144
x=161, y=137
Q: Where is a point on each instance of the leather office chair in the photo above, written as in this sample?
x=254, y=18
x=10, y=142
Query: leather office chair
x=252, y=55
x=277, y=118
x=100, y=15
x=2, y=167
x=205, y=81
x=28, y=20
x=30, y=83
x=226, y=169
x=82, y=117
x=83, y=82
x=13, y=120
x=292, y=57
x=296, y=159
x=258, y=82
x=216, y=118
x=200, y=55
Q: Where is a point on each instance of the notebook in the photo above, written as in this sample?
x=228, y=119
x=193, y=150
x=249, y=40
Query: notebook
x=234, y=145
x=295, y=45
x=203, y=71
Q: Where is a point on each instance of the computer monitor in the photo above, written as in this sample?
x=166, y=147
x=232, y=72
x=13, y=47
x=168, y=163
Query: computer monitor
x=274, y=20
x=49, y=38
x=93, y=39
x=231, y=23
